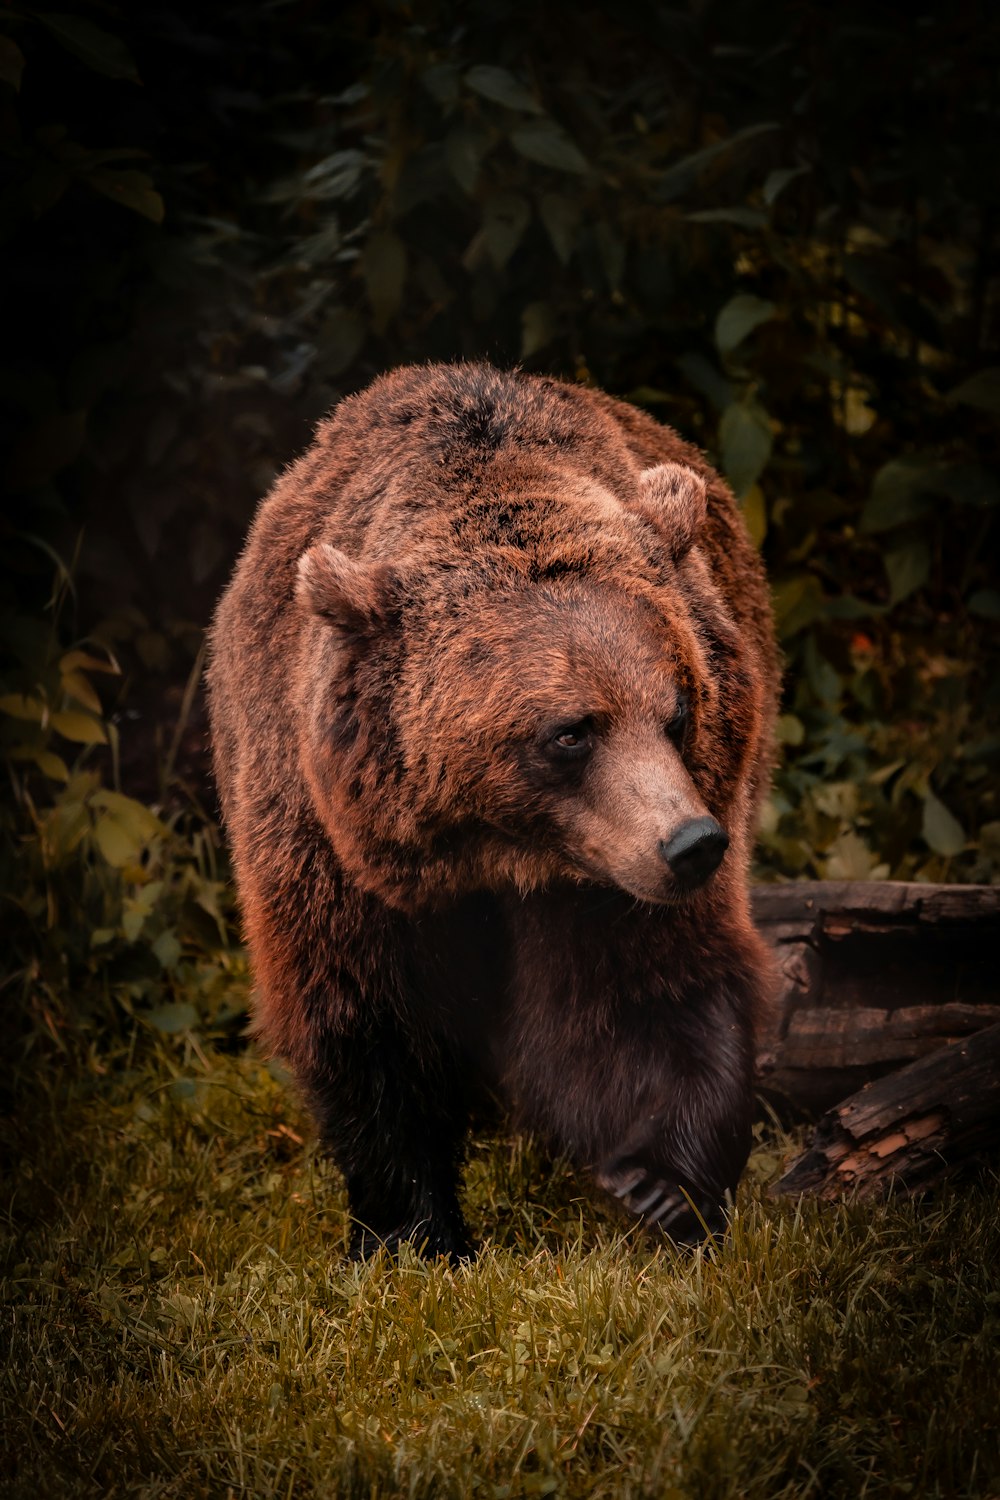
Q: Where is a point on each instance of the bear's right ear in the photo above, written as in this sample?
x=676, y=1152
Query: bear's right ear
x=350, y=595
x=674, y=498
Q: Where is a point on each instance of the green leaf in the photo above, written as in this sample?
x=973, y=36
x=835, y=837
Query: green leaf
x=50, y=765
x=745, y=439
x=561, y=217
x=740, y=316
x=775, y=182
x=464, y=150
x=547, y=143
x=682, y=174
x=78, y=687
x=66, y=825
x=115, y=842
x=746, y=218
x=789, y=730
x=134, y=916
x=336, y=176
x=11, y=63
x=900, y=493
x=981, y=390
x=383, y=262
x=167, y=948
x=754, y=508
x=98, y=49
x=134, y=814
x=18, y=706
x=77, y=661
x=847, y=607
x=124, y=828
x=177, y=1016
x=941, y=829
x=505, y=218
x=822, y=676
x=903, y=490
x=441, y=82
x=850, y=858
x=501, y=87
x=798, y=603
x=81, y=728
x=319, y=248
x=355, y=93
x=907, y=568
x=138, y=908
x=131, y=189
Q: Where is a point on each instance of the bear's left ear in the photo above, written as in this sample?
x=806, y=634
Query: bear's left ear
x=349, y=594
x=674, y=499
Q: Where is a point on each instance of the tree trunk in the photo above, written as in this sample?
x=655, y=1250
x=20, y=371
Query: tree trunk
x=910, y=1129
x=872, y=976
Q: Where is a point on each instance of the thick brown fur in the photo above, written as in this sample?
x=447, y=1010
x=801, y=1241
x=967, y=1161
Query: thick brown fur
x=444, y=892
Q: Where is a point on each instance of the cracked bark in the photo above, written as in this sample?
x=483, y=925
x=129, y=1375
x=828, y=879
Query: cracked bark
x=888, y=1019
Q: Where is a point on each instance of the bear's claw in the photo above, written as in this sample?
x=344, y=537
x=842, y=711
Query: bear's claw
x=686, y=1219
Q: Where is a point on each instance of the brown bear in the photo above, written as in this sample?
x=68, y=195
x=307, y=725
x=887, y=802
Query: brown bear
x=492, y=691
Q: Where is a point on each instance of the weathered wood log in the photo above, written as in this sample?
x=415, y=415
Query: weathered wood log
x=910, y=1129
x=873, y=975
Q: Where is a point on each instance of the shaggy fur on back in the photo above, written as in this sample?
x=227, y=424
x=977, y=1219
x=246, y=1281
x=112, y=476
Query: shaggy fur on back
x=492, y=640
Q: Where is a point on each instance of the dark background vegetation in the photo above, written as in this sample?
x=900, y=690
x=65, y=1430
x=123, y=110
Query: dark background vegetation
x=774, y=226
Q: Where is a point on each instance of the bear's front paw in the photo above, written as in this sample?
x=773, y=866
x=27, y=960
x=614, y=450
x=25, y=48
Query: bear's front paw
x=686, y=1217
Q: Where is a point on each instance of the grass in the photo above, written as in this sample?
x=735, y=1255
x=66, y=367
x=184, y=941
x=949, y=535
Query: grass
x=180, y=1320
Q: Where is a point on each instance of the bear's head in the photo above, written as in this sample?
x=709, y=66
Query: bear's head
x=519, y=715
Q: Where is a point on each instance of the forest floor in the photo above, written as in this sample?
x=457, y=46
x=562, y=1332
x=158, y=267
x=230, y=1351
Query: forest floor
x=181, y=1321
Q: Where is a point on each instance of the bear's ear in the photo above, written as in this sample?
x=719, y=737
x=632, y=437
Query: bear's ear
x=674, y=498
x=350, y=595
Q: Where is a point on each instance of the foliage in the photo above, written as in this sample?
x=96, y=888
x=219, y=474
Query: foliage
x=179, y=1321
x=112, y=906
x=773, y=228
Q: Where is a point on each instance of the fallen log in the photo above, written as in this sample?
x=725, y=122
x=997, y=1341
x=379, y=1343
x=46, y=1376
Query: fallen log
x=908, y=1130
x=873, y=976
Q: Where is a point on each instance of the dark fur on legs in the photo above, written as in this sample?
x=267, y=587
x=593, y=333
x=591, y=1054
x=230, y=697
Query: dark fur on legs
x=398, y=1141
x=631, y=1086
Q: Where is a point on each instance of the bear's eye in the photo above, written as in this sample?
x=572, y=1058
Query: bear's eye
x=572, y=741
x=677, y=726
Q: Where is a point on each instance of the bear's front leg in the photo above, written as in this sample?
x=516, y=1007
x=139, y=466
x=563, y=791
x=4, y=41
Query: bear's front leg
x=678, y=1182
x=664, y=1127
x=339, y=999
x=395, y=1127
x=677, y=1163
x=632, y=1051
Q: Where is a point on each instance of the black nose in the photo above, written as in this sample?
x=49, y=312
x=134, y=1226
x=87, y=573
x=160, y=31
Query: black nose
x=695, y=851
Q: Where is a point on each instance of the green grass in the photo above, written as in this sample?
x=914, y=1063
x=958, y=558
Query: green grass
x=180, y=1320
